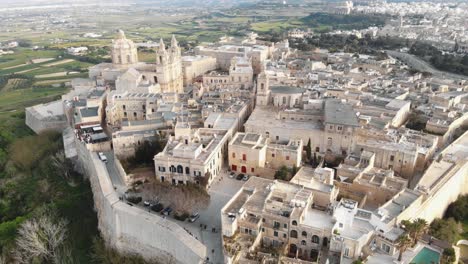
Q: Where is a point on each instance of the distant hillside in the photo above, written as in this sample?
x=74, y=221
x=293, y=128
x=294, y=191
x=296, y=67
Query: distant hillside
x=343, y=22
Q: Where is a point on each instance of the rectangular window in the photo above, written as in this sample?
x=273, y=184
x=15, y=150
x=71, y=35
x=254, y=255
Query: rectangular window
x=244, y=157
x=275, y=233
x=287, y=157
x=252, y=170
x=340, y=128
x=386, y=248
x=272, y=155
x=233, y=155
x=276, y=225
x=392, y=158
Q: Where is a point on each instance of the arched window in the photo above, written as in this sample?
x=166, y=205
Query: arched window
x=293, y=234
x=180, y=169
x=187, y=170
x=303, y=242
x=304, y=233
x=294, y=222
x=315, y=239
x=172, y=168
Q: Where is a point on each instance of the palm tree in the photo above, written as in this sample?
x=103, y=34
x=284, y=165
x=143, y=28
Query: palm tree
x=415, y=229
x=421, y=227
x=403, y=243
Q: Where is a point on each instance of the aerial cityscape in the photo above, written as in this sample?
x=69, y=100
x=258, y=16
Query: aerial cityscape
x=234, y=131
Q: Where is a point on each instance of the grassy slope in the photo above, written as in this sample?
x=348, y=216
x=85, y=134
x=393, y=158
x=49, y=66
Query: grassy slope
x=24, y=187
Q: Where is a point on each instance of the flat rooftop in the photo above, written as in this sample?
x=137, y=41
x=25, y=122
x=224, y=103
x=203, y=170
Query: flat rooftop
x=267, y=117
x=287, y=90
x=341, y=114
x=89, y=111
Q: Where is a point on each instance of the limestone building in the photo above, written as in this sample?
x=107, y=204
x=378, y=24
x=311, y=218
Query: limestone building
x=164, y=75
x=169, y=67
x=196, y=157
x=253, y=154
x=195, y=66
x=124, y=51
x=239, y=76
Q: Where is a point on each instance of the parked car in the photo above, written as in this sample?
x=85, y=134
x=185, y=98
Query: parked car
x=157, y=207
x=167, y=211
x=194, y=217
x=147, y=203
x=232, y=174
x=246, y=178
x=240, y=176
x=102, y=157
x=134, y=199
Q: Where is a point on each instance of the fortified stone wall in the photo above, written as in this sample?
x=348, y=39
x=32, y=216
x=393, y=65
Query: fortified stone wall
x=435, y=203
x=131, y=229
x=39, y=123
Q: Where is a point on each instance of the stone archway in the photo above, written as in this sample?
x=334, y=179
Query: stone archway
x=292, y=250
x=325, y=242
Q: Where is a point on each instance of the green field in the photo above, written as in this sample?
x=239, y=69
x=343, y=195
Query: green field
x=50, y=68
x=276, y=25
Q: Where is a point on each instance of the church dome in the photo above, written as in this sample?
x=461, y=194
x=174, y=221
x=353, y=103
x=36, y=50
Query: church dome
x=121, y=42
x=124, y=51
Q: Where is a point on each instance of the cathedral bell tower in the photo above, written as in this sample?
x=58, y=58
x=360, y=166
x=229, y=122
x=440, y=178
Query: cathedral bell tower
x=263, y=88
x=169, y=67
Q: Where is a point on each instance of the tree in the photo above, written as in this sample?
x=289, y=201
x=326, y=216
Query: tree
x=444, y=229
x=402, y=244
x=421, y=228
x=309, y=150
x=415, y=229
x=183, y=198
x=282, y=173
x=448, y=256
x=458, y=209
x=42, y=240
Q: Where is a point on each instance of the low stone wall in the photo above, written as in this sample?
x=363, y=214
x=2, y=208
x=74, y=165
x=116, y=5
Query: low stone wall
x=131, y=229
x=122, y=174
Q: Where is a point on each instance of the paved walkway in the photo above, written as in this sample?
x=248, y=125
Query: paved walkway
x=220, y=192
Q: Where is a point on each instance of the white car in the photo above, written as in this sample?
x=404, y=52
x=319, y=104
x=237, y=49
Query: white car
x=194, y=217
x=102, y=157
